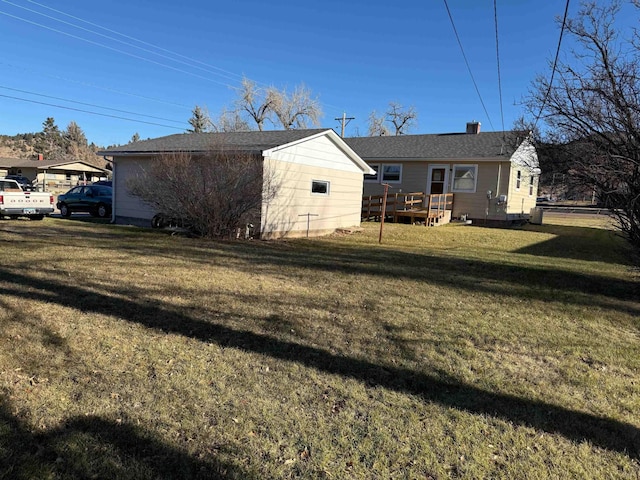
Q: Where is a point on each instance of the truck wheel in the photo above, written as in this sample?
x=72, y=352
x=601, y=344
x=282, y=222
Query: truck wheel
x=64, y=211
x=36, y=217
x=101, y=211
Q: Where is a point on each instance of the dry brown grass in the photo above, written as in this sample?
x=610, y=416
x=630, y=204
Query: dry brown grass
x=454, y=352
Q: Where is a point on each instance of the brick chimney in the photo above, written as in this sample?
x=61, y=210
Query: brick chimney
x=473, y=127
x=40, y=157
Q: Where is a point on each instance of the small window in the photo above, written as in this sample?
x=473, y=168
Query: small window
x=391, y=173
x=531, y=181
x=320, y=187
x=464, y=178
x=375, y=177
x=518, y=179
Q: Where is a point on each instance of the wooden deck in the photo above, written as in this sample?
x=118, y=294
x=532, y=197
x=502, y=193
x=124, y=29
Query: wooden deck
x=433, y=210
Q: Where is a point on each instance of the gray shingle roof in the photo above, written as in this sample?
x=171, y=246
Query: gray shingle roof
x=5, y=162
x=254, y=141
x=437, y=146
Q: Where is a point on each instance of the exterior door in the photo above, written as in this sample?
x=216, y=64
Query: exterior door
x=438, y=181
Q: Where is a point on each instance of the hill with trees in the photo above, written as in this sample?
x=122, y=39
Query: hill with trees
x=53, y=143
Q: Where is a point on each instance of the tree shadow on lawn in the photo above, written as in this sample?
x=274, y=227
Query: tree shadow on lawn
x=442, y=389
x=472, y=275
x=581, y=243
x=92, y=447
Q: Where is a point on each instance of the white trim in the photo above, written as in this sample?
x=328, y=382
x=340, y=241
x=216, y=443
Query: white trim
x=390, y=164
x=327, y=193
x=336, y=139
x=373, y=180
x=445, y=187
x=475, y=177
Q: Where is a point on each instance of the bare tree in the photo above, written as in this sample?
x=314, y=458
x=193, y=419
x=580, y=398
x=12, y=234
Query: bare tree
x=593, y=112
x=376, y=125
x=297, y=110
x=402, y=119
x=256, y=102
x=230, y=121
x=212, y=195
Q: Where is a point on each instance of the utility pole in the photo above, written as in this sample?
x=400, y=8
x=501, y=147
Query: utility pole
x=344, y=120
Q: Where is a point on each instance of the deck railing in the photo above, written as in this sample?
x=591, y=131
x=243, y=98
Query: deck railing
x=398, y=204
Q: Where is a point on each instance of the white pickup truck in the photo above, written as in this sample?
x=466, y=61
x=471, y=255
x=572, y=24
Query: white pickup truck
x=15, y=202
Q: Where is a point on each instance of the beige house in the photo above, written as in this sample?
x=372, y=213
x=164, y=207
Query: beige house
x=493, y=176
x=320, y=177
x=53, y=175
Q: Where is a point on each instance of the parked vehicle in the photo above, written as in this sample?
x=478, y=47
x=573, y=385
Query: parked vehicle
x=94, y=199
x=107, y=183
x=24, y=182
x=15, y=202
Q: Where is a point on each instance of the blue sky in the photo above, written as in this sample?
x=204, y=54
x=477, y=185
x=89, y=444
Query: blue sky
x=354, y=56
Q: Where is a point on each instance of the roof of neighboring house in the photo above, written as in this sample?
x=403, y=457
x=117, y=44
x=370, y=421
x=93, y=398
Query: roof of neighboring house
x=438, y=146
x=42, y=164
x=254, y=141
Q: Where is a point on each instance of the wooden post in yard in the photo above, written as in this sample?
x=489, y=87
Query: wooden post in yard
x=384, y=209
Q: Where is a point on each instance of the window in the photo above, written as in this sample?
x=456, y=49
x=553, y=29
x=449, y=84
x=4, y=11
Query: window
x=375, y=177
x=531, y=185
x=320, y=187
x=384, y=174
x=464, y=178
x=518, y=179
x=391, y=173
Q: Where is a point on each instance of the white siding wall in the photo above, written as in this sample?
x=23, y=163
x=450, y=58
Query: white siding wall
x=294, y=169
x=520, y=199
x=127, y=208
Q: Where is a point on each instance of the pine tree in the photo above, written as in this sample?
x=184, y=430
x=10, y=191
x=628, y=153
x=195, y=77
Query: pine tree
x=200, y=121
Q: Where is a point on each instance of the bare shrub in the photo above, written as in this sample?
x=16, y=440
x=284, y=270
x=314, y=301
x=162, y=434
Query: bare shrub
x=212, y=194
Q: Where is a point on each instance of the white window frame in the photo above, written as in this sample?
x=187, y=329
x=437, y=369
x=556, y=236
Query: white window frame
x=326, y=182
x=381, y=174
x=531, y=184
x=475, y=178
x=374, y=178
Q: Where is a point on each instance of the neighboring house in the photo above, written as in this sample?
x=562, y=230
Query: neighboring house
x=493, y=175
x=320, y=177
x=53, y=174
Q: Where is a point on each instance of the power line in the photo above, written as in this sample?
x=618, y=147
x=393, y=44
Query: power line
x=89, y=112
x=190, y=59
x=495, y=14
x=114, y=49
x=467, y=63
x=88, y=104
x=115, y=39
x=555, y=64
x=99, y=87
x=136, y=39
x=128, y=44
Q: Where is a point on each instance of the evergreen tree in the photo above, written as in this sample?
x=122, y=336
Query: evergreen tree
x=200, y=121
x=50, y=141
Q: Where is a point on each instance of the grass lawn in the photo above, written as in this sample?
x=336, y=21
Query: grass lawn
x=449, y=352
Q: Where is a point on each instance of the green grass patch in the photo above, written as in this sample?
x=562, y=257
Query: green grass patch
x=449, y=352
